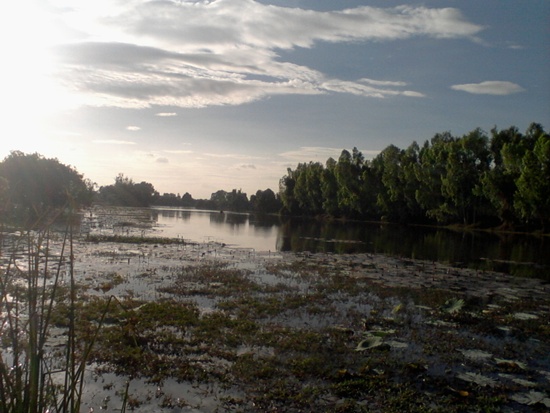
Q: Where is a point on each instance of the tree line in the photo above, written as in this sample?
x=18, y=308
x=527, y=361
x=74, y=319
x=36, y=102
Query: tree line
x=501, y=179
x=125, y=192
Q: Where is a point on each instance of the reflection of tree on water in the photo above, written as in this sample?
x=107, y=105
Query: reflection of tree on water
x=175, y=213
x=228, y=218
x=473, y=249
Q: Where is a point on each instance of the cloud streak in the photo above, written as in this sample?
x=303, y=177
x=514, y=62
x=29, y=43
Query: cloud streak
x=138, y=54
x=490, y=87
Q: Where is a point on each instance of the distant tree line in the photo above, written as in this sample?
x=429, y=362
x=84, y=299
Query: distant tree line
x=501, y=179
x=476, y=179
x=125, y=192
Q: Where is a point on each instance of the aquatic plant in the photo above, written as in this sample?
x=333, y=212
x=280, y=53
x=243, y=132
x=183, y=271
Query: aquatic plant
x=35, y=267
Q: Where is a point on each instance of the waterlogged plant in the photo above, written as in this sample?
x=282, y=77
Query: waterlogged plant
x=35, y=263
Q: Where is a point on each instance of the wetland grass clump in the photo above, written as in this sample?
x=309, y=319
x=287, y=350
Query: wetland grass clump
x=36, y=274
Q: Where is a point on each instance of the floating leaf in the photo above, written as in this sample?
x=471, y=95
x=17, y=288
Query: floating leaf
x=381, y=333
x=531, y=398
x=478, y=379
x=510, y=363
x=453, y=305
x=525, y=316
x=440, y=323
x=398, y=308
x=368, y=343
x=517, y=380
x=475, y=354
x=397, y=344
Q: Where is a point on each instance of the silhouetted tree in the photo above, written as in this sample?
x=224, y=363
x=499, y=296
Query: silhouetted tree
x=125, y=192
x=33, y=185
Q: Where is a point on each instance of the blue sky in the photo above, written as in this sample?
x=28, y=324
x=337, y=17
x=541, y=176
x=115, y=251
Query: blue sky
x=196, y=96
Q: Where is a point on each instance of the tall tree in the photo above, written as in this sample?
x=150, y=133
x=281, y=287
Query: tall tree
x=498, y=182
x=125, y=192
x=34, y=184
x=532, y=199
x=468, y=158
x=429, y=172
x=329, y=189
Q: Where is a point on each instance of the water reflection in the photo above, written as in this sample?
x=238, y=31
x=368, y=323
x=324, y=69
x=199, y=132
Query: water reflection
x=519, y=255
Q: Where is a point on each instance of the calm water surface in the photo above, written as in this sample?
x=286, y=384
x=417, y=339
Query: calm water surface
x=519, y=255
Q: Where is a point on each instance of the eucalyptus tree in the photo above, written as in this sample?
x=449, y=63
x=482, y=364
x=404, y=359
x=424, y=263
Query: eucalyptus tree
x=429, y=172
x=396, y=170
x=348, y=173
x=532, y=199
x=308, y=189
x=498, y=182
x=467, y=160
x=286, y=193
x=329, y=188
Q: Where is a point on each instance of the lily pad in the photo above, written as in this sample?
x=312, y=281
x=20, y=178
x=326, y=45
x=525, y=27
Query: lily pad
x=369, y=343
x=397, y=344
x=381, y=333
x=452, y=306
x=440, y=323
x=510, y=363
x=478, y=379
x=517, y=380
x=525, y=316
x=531, y=398
x=475, y=354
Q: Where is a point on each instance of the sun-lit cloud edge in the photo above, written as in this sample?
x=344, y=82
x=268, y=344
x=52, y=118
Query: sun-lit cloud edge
x=192, y=55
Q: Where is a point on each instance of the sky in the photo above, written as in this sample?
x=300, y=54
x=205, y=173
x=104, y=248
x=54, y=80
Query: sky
x=198, y=96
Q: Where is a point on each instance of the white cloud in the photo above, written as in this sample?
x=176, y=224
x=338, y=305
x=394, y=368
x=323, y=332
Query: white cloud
x=133, y=128
x=136, y=54
x=166, y=114
x=490, y=87
x=382, y=82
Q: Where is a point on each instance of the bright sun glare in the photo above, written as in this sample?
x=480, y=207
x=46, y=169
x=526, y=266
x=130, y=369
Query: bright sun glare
x=29, y=93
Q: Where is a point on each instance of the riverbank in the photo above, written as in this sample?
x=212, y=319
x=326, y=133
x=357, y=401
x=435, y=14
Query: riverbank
x=203, y=327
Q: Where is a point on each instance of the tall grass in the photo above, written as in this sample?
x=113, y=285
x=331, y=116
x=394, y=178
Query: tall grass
x=36, y=271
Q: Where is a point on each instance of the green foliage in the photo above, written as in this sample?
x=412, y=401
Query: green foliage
x=265, y=202
x=125, y=192
x=236, y=200
x=471, y=180
x=28, y=298
x=31, y=185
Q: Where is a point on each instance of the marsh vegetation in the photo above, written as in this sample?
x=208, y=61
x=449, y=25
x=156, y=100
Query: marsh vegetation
x=199, y=326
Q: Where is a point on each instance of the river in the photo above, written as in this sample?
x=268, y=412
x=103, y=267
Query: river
x=522, y=255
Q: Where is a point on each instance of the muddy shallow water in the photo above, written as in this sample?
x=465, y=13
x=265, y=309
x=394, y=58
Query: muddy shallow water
x=206, y=327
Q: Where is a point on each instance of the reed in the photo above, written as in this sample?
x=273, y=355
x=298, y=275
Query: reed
x=34, y=264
